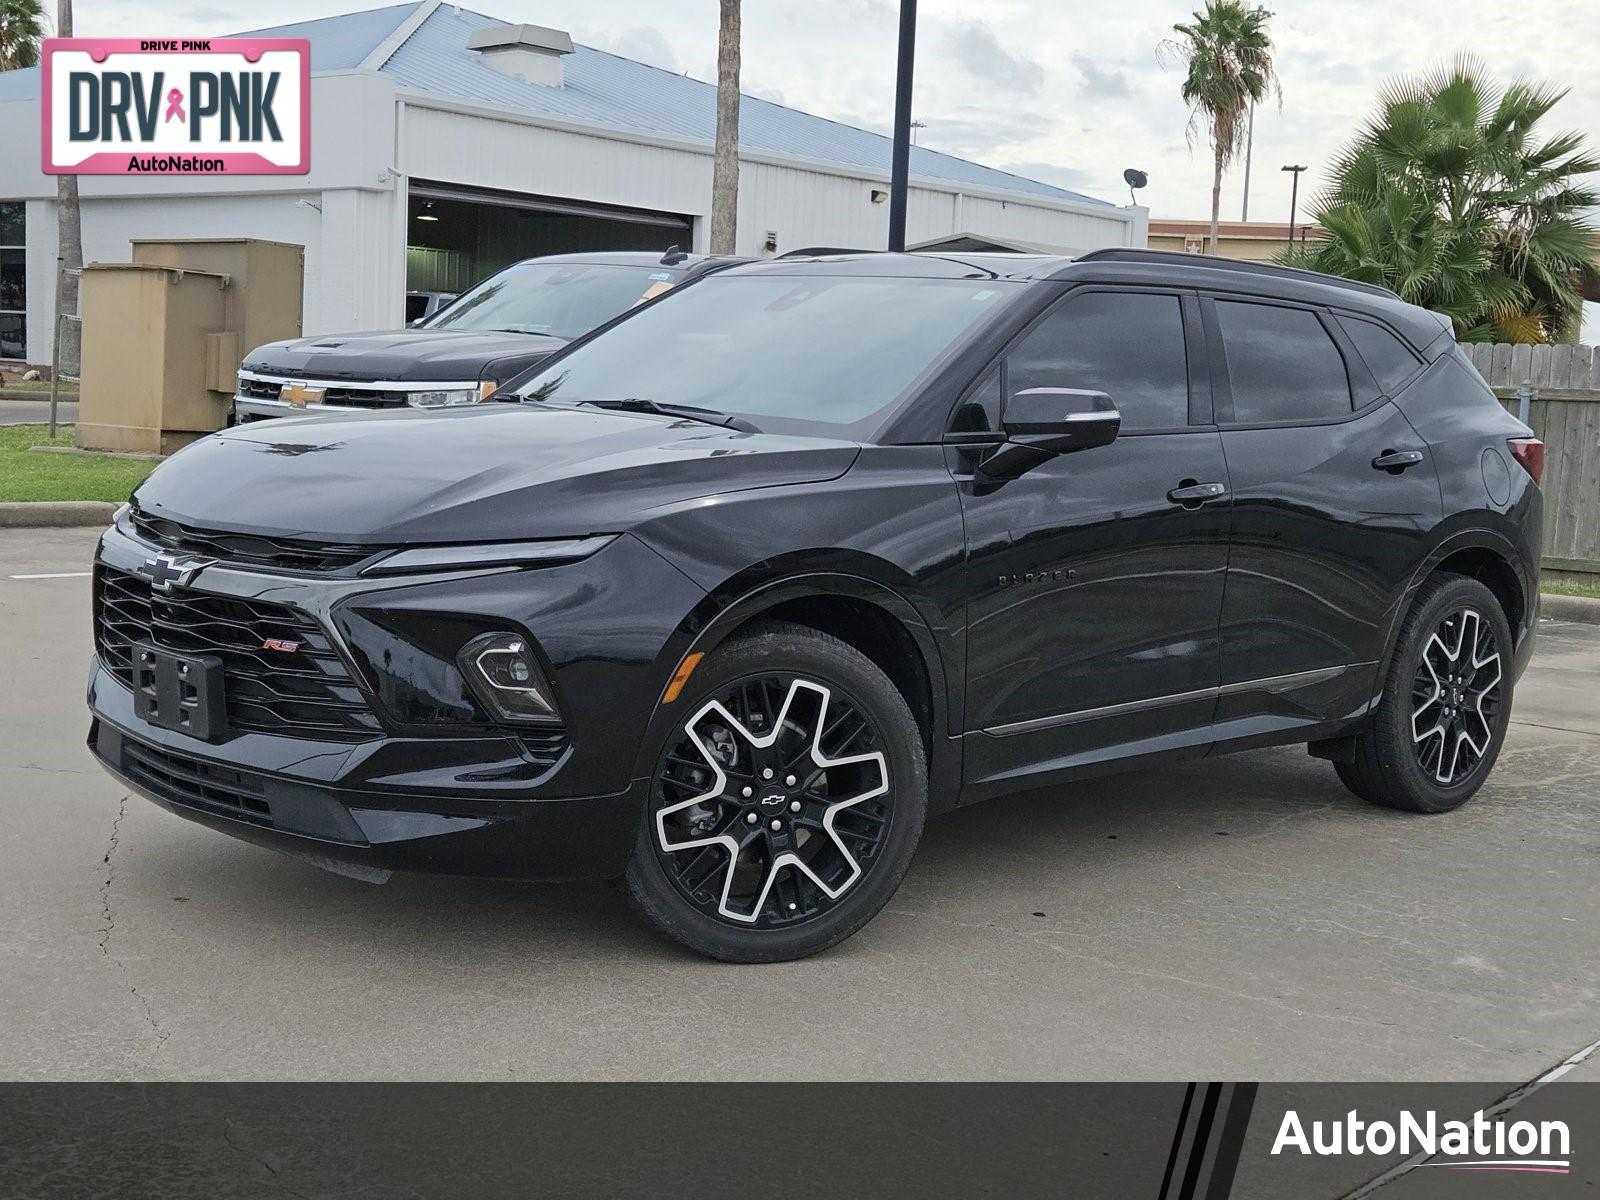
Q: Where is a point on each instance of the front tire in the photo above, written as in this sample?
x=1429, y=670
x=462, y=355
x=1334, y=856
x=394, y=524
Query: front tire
x=787, y=800
x=1445, y=706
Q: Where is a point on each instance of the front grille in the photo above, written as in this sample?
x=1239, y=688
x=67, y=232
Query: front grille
x=200, y=784
x=307, y=693
x=351, y=395
x=248, y=549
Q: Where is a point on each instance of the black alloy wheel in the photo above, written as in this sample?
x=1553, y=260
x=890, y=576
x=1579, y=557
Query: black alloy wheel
x=785, y=802
x=1455, y=696
x=1442, y=715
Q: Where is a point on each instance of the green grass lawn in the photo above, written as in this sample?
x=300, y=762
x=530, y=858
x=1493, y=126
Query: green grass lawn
x=25, y=475
x=1590, y=590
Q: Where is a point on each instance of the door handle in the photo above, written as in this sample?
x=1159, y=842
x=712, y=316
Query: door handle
x=1192, y=495
x=1395, y=461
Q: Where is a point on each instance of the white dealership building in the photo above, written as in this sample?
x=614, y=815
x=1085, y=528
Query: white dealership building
x=446, y=144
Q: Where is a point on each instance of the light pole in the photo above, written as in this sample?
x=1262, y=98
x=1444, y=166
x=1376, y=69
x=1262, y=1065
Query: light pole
x=1250, y=135
x=900, y=163
x=1294, y=197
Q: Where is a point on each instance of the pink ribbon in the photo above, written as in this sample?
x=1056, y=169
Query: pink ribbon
x=175, y=105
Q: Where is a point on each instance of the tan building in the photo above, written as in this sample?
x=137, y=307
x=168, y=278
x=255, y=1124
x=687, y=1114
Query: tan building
x=1257, y=241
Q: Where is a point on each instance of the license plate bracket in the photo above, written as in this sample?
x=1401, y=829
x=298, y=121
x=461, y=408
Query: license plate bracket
x=183, y=692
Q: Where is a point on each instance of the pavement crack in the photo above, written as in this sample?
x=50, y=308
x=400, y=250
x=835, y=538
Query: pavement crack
x=1556, y=728
x=105, y=887
x=109, y=925
x=259, y=1160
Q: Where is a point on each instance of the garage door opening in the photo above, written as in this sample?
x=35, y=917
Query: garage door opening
x=456, y=237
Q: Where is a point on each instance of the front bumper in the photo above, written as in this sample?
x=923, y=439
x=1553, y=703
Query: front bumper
x=448, y=797
x=366, y=833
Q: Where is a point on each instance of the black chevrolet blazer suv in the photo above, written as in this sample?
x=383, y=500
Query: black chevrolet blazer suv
x=752, y=582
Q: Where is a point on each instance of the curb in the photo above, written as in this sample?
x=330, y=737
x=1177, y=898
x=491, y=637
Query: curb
x=30, y=394
x=1570, y=608
x=54, y=514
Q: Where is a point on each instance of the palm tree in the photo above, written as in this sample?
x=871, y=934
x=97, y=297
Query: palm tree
x=1452, y=198
x=21, y=28
x=1228, y=56
x=725, y=158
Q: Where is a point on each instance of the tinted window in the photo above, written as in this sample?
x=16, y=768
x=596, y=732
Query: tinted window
x=788, y=351
x=980, y=411
x=13, y=279
x=1282, y=364
x=1386, y=356
x=562, y=299
x=1125, y=344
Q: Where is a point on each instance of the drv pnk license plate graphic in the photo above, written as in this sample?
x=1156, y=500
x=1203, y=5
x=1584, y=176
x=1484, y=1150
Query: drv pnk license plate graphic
x=176, y=106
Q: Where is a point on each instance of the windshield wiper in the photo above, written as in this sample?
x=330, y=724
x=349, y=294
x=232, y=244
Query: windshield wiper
x=706, y=415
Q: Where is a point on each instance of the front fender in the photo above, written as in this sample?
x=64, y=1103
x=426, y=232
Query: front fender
x=1464, y=537
x=767, y=586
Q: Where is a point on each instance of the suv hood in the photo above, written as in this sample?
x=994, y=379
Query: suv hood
x=405, y=356
x=494, y=473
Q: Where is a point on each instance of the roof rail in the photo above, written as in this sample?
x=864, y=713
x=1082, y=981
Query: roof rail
x=819, y=251
x=1211, y=262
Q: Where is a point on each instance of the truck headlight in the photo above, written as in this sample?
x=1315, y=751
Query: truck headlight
x=453, y=397
x=504, y=674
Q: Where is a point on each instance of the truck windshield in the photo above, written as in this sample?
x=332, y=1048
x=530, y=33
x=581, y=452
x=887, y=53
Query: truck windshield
x=560, y=299
x=786, y=351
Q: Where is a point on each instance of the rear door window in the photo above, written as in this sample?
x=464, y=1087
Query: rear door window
x=1386, y=356
x=1126, y=344
x=1282, y=364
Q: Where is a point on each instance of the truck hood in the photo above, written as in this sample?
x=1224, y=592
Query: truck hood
x=491, y=473
x=405, y=356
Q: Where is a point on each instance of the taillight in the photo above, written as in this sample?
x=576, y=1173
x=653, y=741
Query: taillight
x=1530, y=453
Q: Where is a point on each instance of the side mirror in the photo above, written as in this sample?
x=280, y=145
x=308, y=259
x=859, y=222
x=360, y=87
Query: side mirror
x=1041, y=423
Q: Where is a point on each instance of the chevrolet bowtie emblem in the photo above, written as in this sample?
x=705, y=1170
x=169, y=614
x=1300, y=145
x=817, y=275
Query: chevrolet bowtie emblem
x=170, y=571
x=299, y=395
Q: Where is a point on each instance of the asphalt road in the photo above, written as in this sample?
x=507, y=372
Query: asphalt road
x=36, y=412
x=1242, y=917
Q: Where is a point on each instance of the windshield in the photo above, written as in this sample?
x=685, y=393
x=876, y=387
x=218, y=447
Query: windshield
x=560, y=299
x=829, y=350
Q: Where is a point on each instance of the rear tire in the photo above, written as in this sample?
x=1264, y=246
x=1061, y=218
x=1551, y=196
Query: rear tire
x=787, y=800
x=1445, y=705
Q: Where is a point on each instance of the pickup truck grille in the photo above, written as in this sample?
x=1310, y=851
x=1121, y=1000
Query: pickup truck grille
x=347, y=395
x=306, y=693
x=248, y=549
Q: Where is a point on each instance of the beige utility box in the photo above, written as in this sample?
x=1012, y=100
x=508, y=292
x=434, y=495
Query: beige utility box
x=164, y=335
x=143, y=381
x=264, y=303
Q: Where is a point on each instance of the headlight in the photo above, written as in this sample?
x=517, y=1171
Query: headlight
x=454, y=397
x=503, y=673
x=488, y=554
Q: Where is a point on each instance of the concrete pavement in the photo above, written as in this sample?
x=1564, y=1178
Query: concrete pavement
x=1243, y=917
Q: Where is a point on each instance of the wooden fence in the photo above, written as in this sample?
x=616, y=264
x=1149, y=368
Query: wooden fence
x=1563, y=386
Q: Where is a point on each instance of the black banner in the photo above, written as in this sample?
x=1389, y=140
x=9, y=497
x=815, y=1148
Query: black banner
x=1154, y=1141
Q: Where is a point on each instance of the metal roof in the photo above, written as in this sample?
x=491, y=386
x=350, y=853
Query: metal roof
x=337, y=44
x=609, y=90
x=612, y=92
x=601, y=89
x=343, y=42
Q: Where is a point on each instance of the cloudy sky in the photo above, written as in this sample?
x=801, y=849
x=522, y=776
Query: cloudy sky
x=1062, y=91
